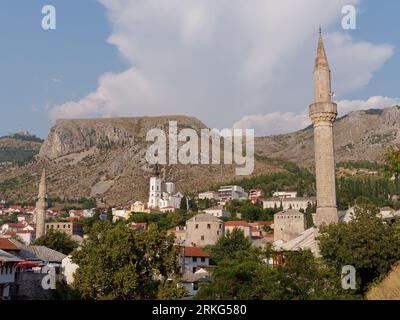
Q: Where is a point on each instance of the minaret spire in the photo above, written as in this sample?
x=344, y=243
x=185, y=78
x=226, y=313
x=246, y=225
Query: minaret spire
x=323, y=114
x=322, y=74
x=41, y=206
x=42, y=185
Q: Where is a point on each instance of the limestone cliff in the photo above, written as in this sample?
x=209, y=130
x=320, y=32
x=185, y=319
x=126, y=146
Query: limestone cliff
x=105, y=158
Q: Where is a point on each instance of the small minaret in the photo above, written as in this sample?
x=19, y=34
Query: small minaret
x=323, y=114
x=41, y=206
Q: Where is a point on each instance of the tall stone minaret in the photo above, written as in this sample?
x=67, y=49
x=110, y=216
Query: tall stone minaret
x=41, y=206
x=323, y=114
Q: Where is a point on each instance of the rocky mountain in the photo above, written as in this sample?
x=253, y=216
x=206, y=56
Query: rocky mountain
x=105, y=158
x=359, y=135
x=18, y=147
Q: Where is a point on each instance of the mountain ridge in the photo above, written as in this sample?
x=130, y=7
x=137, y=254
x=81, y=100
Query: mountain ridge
x=105, y=158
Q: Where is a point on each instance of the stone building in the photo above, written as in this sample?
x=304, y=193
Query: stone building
x=218, y=211
x=323, y=114
x=203, y=230
x=288, y=225
x=70, y=228
x=241, y=225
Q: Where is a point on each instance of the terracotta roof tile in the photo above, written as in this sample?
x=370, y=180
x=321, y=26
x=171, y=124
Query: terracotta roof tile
x=237, y=224
x=6, y=244
x=195, y=252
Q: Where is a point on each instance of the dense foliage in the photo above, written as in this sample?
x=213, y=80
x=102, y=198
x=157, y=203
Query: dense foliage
x=246, y=276
x=366, y=242
x=392, y=163
x=229, y=245
x=116, y=262
x=58, y=241
x=377, y=189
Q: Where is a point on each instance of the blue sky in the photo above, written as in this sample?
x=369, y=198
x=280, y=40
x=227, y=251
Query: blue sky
x=43, y=69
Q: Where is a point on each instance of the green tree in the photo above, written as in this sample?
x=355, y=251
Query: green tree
x=366, y=242
x=392, y=163
x=308, y=214
x=183, y=205
x=247, y=277
x=58, y=241
x=228, y=245
x=116, y=262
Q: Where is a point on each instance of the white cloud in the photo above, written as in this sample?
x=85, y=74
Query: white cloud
x=220, y=60
x=376, y=102
x=286, y=122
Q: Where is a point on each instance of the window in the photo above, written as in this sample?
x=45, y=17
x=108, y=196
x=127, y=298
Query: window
x=197, y=226
x=208, y=226
x=69, y=226
x=64, y=226
x=202, y=237
x=217, y=233
x=194, y=269
x=194, y=259
x=203, y=259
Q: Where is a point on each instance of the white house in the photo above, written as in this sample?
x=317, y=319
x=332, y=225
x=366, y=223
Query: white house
x=26, y=236
x=171, y=200
x=194, y=258
x=285, y=194
x=288, y=203
x=208, y=195
x=8, y=263
x=227, y=193
x=192, y=281
x=119, y=214
x=218, y=211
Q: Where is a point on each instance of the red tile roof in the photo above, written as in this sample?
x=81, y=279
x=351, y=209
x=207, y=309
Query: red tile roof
x=6, y=244
x=194, y=252
x=237, y=224
x=13, y=233
x=16, y=225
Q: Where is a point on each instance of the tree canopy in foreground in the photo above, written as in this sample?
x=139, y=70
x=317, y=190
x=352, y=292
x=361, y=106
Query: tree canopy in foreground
x=116, y=262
